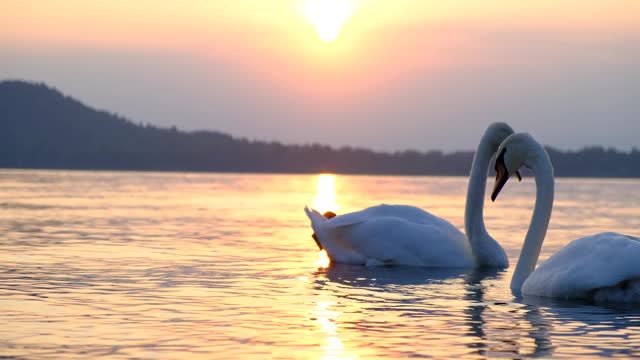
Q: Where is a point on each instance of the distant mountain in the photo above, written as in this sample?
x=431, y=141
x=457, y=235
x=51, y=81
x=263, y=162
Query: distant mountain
x=42, y=128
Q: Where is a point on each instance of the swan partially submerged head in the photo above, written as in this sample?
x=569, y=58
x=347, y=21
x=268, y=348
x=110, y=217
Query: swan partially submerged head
x=328, y=215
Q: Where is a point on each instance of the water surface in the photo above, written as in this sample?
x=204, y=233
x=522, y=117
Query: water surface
x=173, y=265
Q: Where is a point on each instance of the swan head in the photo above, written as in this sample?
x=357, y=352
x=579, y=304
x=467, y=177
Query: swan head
x=328, y=215
x=496, y=133
x=516, y=151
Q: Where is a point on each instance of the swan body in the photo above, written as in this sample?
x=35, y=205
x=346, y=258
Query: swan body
x=381, y=235
x=407, y=235
x=601, y=267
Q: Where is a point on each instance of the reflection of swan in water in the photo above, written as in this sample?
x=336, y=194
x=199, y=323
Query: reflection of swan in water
x=475, y=288
x=595, y=322
x=451, y=301
x=601, y=267
x=474, y=293
x=407, y=235
x=380, y=277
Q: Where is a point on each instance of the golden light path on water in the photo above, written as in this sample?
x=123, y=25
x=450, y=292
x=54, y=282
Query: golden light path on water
x=324, y=201
x=200, y=266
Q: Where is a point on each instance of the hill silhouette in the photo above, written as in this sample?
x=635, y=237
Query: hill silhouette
x=42, y=128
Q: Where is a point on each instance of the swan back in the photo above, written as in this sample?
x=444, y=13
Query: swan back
x=392, y=235
x=589, y=267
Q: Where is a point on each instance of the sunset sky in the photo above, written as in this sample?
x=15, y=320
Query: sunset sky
x=388, y=75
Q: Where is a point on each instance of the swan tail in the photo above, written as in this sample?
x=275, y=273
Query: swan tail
x=315, y=217
x=317, y=220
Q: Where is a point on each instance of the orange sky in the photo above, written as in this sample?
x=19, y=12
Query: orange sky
x=267, y=36
x=384, y=46
x=171, y=22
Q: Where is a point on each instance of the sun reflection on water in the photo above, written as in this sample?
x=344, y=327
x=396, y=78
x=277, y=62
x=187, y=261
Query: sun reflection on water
x=324, y=201
x=323, y=260
x=104, y=273
x=326, y=194
x=334, y=349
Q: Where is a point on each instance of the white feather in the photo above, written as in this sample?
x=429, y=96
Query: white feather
x=392, y=234
x=407, y=235
x=600, y=267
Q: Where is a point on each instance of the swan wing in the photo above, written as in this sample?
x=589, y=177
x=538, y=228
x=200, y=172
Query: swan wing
x=393, y=240
x=405, y=212
x=585, y=265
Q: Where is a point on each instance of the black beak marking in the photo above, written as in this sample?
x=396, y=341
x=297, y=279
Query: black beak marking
x=502, y=175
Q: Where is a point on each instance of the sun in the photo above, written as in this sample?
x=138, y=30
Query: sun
x=328, y=16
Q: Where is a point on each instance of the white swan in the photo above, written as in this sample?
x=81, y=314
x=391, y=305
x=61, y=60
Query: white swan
x=407, y=235
x=601, y=267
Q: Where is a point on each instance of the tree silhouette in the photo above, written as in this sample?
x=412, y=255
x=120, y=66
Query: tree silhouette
x=42, y=128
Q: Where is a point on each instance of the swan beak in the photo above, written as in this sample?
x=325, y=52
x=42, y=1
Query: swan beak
x=502, y=175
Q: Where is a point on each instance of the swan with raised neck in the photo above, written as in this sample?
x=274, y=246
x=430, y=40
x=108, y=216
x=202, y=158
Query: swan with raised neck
x=519, y=150
x=407, y=235
x=602, y=267
x=486, y=250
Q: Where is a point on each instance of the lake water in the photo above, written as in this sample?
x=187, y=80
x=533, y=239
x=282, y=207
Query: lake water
x=184, y=265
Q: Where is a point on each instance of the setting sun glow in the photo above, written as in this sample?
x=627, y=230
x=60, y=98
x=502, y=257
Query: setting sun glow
x=328, y=16
x=326, y=194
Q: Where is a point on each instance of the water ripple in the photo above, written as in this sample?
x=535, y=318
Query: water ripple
x=160, y=265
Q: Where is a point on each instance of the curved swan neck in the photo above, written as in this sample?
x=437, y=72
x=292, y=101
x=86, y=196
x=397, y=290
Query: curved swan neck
x=473, y=212
x=541, y=166
x=485, y=249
